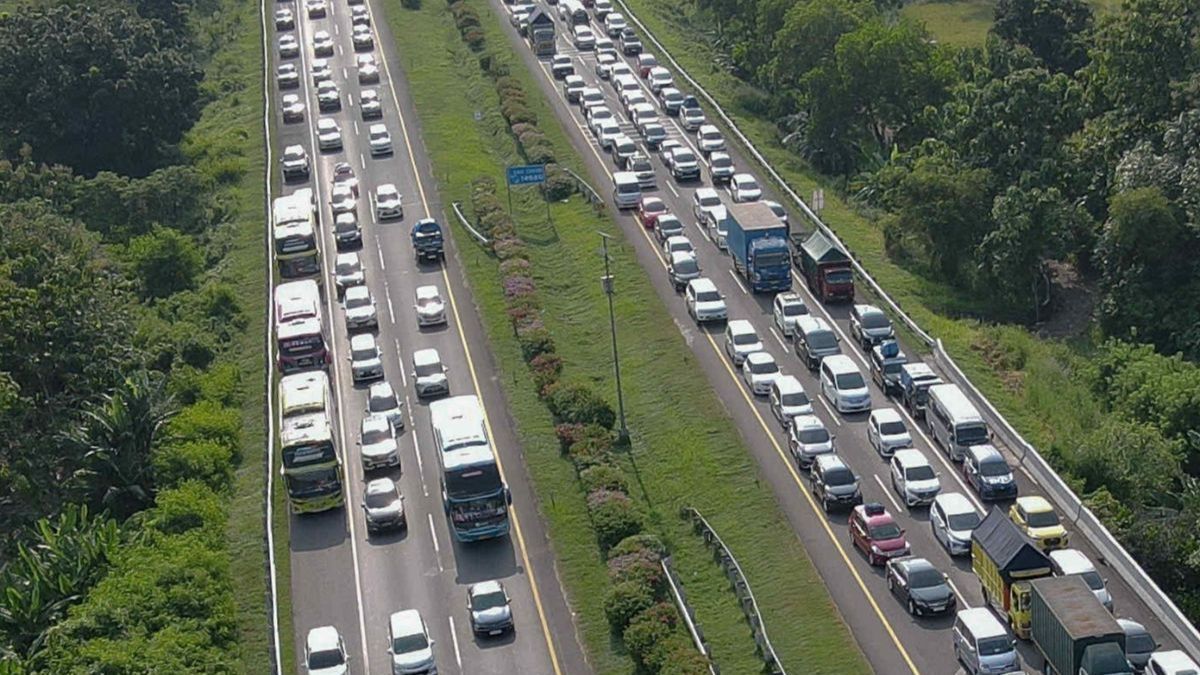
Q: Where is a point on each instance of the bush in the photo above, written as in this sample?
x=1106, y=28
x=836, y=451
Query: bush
x=603, y=477
x=515, y=266
x=571, y=433
x=625, y=601
x=518, y=287
x=639, y=542
x=648, y=628
x=474, y=38
x=509, y=247
x=207, y=420
x=530, y=137
x=410, y=4
x=539, y=151
x=685, y=661
x=674, y=646
x=191, y=506
x=579, y=404
x=546, y=369
x=207, y=461
x=614, y=517
x=508, y=83
x=521, y=114
x=495, y=221
x=559, y=184
x=586, y=455
x=522, y=127
x=640, y=566
x=535, y=341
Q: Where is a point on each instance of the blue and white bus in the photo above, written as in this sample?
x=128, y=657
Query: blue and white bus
x=473, y=492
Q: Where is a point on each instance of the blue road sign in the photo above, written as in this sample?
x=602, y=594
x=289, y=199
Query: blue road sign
x=526, y=175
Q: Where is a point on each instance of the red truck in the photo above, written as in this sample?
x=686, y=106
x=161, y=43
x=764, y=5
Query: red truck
x=825, y=267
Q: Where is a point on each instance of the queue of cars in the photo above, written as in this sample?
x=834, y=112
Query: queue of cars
x=954, y=425
x=410, y=644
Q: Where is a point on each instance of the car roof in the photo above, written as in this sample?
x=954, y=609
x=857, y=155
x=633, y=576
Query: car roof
x=704, y=192
x=375, y=421
x=886, y=415
x=760, y=357
x=1132, y=627
x=1174, y=659
x=910, y=457
x=982, y=622
x=984, y=451
x=807, y=422
x=1071, y=561
x=327, y=122
x=346, y=258
x=954, y=503
x=362, y=340
x=787, y=384
x=867, y=309
x=406, y=622
x=840, y=363
x=740, y=326
x=426, y=356
x=381, y=390
x=1034, y=504
x=742, y=177
x=830, y=461
x=702, y=284
x=678, y=239
x=789, y=297
x=380, y=485
x=914, y=564
x=428, y=291
x=323, y=638
x=680, y=256
x=704, y=128
x=357, y=291
x=808, y=322
x=490, y=586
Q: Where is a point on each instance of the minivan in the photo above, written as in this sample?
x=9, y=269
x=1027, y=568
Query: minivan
x=913, y=478
x=1069, y=562
x=843, y=384
x=627, y=189
x=982, y=644
x=788, y=399
x=953, y=421
x=814, y=340
x=741, y=340
x=952, y=519
x=682, y=268
x=409, y=644
x=808, y=439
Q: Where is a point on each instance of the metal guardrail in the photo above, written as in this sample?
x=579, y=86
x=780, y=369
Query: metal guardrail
x=741, y=587
x=462, y=218
x=1044, y=475
x=689, y=617
x=585, y=188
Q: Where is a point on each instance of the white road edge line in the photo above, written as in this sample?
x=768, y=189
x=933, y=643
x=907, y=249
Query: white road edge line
x=387, y=291
x=786, y=346
x=962, y=599
x=416, y=449
x=888, y=493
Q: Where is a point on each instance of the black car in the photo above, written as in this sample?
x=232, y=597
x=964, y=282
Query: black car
x=921, y=586
x=834, y=483
x=988, y=472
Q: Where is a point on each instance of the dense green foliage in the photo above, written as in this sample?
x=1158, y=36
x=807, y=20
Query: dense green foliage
x=119, y=428
x=1067, y=141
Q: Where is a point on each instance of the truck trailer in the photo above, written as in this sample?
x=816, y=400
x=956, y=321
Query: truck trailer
x=1073, y=631
x=758, y=244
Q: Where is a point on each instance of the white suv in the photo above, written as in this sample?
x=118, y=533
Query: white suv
x=913, y=478
x=843, y=384
x=740, y=340
x=704, y=301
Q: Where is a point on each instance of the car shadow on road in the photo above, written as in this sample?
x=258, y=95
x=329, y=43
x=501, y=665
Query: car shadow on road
x=318, y=531
x=485, y=560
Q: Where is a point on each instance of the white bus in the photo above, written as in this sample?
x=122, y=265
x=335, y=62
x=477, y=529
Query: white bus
x=473, y=492
x=294, y=233
x=302, y=393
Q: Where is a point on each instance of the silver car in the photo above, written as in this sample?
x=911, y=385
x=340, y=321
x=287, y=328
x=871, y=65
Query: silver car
x=360, y=308
x=429, y=374
x=491, y=610
x=383, y=505
x=366, y=363
x=382, y=400
x=377, y=443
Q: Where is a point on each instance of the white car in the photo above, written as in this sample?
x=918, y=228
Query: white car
x=329, y=135
x=321, y=71
x=284, y=19
x=388, y=204
x=585, y=39
x=720, y=166
x=342, y=199
x=429, y=374
x=886, y=432
x=678, y=244
x=709, y=138
x=316, y=8
x=329, y=99
x=952, y=519
x=704, y=301
x=348, y=271
x=369, y=104
x=614, y=23
x=360, y=16
x=380, y=140
x=366, y=361
x=362, y=39
x=659, y=78
x=573, y=86
x=360, y=308
x=322, y=43
x=642, y=114
x=410, y=646
x=786, y=308
x=596, y=113
x=377, y=442
x=623, y=84
x=760, y=370
x=606, y=133
x=807, y=439
x=778, y=210
x=287, y=76
x=743, y=188
x=618, y=69
x=382, y=400
x=691, y=118
x=325, y=652
x=590, y=97
x=604, y=63
x=741, y=340
x=293, y=109
x=704, y=200
x=368, y=70
x=431, y=310
x=788, y=399
x=913, y=478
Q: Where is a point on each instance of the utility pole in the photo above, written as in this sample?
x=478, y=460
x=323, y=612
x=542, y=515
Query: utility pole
x=606, y=283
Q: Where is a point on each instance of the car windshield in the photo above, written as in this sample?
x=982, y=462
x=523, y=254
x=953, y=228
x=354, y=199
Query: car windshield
x=925, y=578
x=794, y=309
x=427, y=369
x=963, y=521
x=875, y=320
x=994, y=466
x=839, y=277
x=709, y=200
x=994, y=645
x=1139, y=643
x=747, y=184
x=1042, y=519
x=812, y=436
x=973, y=434
x=368, y=352
x=403, y=644
x=839, y=476
x=654, y=207
x=381, y=403
x=708, y=296
x=672, y=97
x=850, y=381
x=892, y=428
x=689, y=266
x=375, y=433
x=346, y=268
x=355, y=301
x=821, y=340
x=713, y=135
x=922, y=472
x=745, y=339
x=721, y=162
x=684, y=156
x=489, y=600
x=885, y=531
x=763, y=367
x=1093, y=580
x=379, y=500
x=794, y=399
x=327, y=658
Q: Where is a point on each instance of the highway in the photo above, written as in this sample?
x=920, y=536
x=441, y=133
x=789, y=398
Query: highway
x=340, y=576
x=893, y=641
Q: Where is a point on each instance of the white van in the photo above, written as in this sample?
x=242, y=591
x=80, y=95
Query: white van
x=1069, y=561
x=953, y=421
x=913, y=478
x=627, y=189
x=982, y=644
x=788, y=399
x=844, y=385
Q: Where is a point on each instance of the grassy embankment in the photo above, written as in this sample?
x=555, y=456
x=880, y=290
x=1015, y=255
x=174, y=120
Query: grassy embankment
x=1034, y=382
x=691, y=458
x=228, y=138
x=965, y=23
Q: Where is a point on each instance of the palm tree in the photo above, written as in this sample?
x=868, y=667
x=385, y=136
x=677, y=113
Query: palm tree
x=116, y=437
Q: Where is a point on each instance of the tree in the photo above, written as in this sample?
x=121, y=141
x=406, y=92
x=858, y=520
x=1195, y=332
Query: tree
x=808, y=35
x=1031, y=226
x=118, y=90
x=117, y=438
x=1055, y=30
x=166, y=262
x=1129, y=459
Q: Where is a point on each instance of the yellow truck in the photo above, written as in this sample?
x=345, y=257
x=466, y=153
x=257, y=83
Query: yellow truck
x=1006, y=560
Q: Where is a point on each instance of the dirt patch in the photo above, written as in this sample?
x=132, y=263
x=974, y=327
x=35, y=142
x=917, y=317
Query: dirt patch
x=1072, y=303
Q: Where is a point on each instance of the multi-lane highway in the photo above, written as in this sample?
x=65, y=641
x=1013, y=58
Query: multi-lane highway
x=340, y=576
x=893, y=641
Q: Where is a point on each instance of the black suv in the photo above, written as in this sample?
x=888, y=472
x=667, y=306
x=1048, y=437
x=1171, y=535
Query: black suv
x=834, y=483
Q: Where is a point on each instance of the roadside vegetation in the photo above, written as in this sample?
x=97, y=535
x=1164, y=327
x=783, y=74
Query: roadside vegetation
x=556, y=368
x=131, y=295
x=1028, y=201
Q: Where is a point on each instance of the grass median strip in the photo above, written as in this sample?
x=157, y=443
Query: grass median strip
x=685, y=449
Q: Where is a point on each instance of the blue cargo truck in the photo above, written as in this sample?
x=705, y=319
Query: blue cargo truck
x=758, y=242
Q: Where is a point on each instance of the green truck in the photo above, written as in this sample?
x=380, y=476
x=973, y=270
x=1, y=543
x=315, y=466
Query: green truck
x=1075, y=634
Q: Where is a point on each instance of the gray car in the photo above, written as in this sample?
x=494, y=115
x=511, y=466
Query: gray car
x=834, y=483
x=383, y=505
x=490, y=608
x=869, y=326
x=1139, y=643
x=920, y=586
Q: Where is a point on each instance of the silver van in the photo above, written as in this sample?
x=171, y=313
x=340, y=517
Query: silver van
x=982, y=644
x=953, y=421
x=814, y=340
x=627, y=189
x=788, y=399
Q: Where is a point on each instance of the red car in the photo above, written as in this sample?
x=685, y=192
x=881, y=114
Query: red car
x=876, y=533
x=649, y=210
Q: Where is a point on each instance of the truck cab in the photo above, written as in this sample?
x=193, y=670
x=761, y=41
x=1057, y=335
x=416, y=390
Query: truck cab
x=826, y=268
x=885, y=364
x=427, y=240
x=1005, y=560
